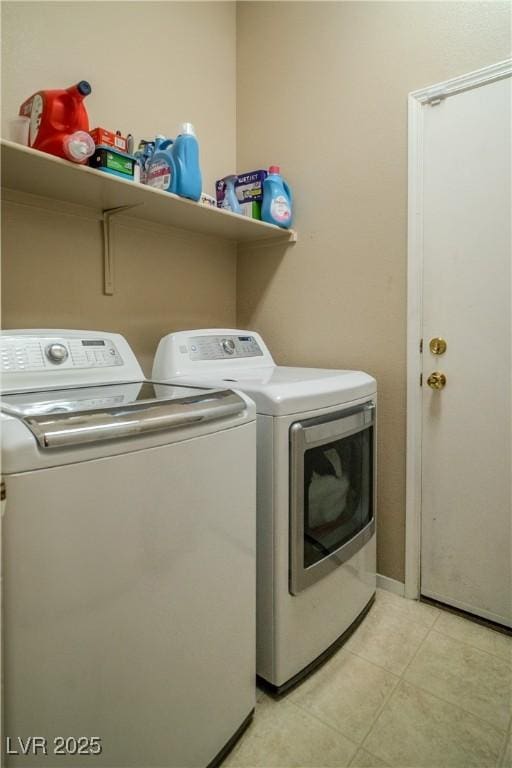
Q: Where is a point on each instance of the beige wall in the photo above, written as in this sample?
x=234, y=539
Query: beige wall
x=329, y=103
x=151, y=65
x=52, y=277
x=322, y=90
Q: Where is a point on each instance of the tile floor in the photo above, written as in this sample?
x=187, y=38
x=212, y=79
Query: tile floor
x=413, y=687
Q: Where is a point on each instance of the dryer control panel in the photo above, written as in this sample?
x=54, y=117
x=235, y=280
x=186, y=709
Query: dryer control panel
x=223, y=347
x=205, y=350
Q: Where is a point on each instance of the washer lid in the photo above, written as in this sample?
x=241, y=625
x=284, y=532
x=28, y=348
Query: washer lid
x=74, y=416
x=281, y=390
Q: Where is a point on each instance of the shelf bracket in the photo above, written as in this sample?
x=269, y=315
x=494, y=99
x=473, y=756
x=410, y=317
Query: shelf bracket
x=108, y=256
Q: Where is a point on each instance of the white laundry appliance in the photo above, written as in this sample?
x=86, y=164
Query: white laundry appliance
x=316, y=553
x=128, y=559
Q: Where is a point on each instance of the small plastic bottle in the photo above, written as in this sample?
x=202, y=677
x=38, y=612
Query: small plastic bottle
x=277, y=199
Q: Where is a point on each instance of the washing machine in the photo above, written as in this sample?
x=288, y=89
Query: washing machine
x=316, y=479
x=128, y=559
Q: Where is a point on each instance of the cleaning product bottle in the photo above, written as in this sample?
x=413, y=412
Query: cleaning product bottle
x=231, y=202
x=161, y=168
x=185, y=152
x=277, y=199
x=55, y=118
x=143, y=156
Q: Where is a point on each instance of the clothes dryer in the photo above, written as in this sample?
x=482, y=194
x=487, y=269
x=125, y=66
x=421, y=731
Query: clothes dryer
x=316, y=480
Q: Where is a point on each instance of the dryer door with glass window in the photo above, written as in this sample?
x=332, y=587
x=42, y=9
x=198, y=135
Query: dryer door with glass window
x=332, y=493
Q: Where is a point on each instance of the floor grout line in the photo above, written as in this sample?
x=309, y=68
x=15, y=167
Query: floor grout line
x=414, y=685
x=401, y=677
x=457, y=706
x=476, y=647
x=387, y=765
x=416, y=652
x=395, y=687
x=506, y=734
x=328, y=725
x=501, y=759
x=372, y=662
x=386, y=669
x=439, y=612
x=380, y=709
x=425, y=690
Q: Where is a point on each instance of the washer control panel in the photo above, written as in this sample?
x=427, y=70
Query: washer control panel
x=222, y=347
x=34, y=353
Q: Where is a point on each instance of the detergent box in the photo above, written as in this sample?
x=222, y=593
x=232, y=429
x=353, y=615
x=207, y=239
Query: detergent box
x=252, y=210
x=249, y=192
x=105, y=138
x=249, y=186
x=113, y=161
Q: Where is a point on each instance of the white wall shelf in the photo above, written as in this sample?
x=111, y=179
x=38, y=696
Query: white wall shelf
x=37, y=173
x=28, y=170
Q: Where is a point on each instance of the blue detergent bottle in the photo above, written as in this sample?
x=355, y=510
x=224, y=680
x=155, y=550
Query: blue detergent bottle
x=277, y=199
x=185, y=152
x=161, y=168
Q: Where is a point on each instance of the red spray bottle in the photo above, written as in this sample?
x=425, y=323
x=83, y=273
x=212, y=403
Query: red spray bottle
x=59, y=122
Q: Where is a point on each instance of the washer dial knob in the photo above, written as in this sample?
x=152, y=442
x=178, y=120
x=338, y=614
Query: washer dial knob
x=57, y=353
x=228, y=345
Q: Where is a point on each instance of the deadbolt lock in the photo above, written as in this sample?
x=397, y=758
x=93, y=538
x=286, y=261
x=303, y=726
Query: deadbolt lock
x=437, y=346
x=436, y=380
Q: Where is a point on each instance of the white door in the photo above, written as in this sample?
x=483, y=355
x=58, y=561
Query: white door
x=466, y=425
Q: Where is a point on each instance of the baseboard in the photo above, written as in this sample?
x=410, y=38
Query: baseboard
x=391, y=585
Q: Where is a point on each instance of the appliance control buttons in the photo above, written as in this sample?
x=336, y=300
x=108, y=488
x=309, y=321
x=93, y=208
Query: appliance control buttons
x=212, y=348
x=20, y=356
x=57, y=353
x=34, y=354
x=94, y=356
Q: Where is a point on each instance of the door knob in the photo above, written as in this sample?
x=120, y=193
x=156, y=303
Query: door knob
x=437, y=345
x=436, y=380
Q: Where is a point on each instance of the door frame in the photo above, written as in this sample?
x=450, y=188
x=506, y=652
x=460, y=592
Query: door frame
x=418, y=101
